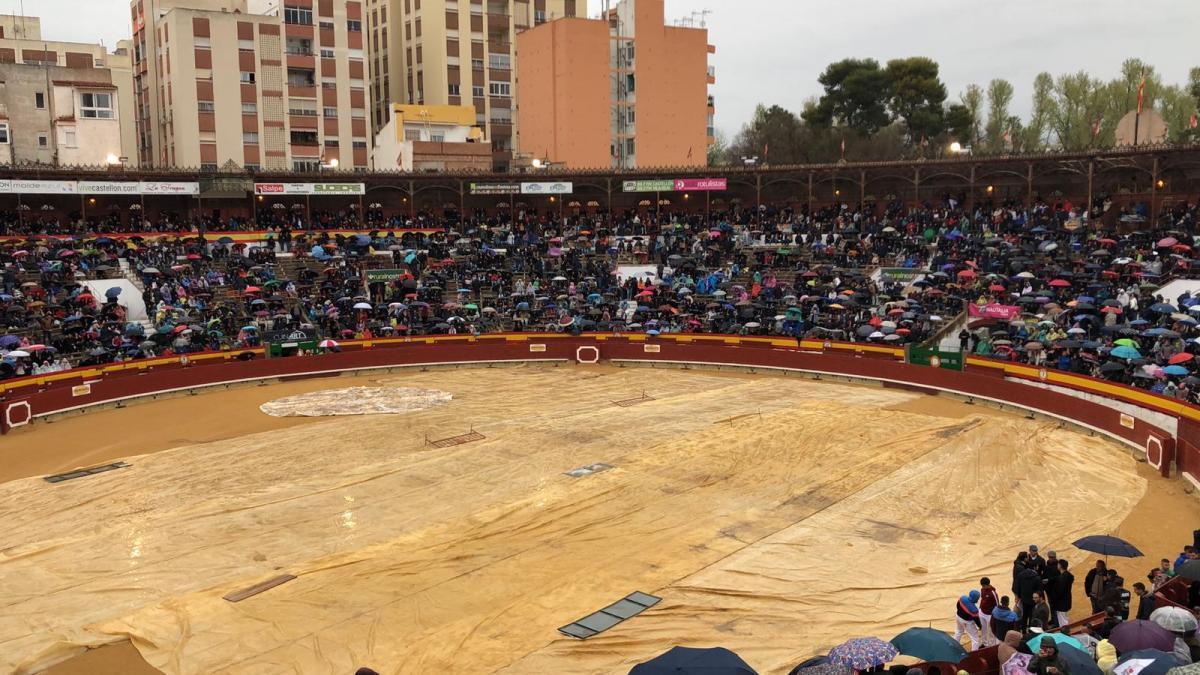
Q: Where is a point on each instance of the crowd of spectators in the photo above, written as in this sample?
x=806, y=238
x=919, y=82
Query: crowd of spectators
x=1079, y=291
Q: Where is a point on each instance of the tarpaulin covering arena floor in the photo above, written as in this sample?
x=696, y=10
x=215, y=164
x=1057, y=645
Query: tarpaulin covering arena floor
x=773, y=515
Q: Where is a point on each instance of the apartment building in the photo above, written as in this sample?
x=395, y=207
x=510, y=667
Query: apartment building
x=625, y=91
x=63, y=103
x=431, y=138
x=218, y=84
x=454, y=52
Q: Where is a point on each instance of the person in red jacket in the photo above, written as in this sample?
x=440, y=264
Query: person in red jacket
x=988, y=599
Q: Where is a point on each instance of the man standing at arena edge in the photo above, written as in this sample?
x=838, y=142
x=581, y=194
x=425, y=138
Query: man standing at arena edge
x=966, y=619
x=988, y=599
x=1059, y=592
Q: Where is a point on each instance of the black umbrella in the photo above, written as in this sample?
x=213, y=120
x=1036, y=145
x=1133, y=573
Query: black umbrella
x=689, y=660
x=1107, y=545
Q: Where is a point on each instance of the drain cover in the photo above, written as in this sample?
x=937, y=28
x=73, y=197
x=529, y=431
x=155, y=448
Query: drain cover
x=588, y=470
x=80, y=473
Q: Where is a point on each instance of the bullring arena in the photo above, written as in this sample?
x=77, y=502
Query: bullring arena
x=777, y=497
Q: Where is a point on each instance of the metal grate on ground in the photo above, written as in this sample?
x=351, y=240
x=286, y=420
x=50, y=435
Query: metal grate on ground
x=628, y=402
x=452, y=441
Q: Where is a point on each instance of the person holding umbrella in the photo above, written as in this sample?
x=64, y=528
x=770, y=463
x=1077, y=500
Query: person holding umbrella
x=1047, y=660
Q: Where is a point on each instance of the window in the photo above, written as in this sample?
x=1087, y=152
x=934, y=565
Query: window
x=502, y=115
x=246, y=45
x=252, y=167
x=300, y=78
x=39, y=100
x=304, y=137
x=299, y=47
x=43, y=140
x=69, y=138
x=477, y=91
x=438, y=138
x=500, y=89
x=306, y=108
x=326, y=25
x=500, y=61
x=354, y=25
x=247, y=76
x=629, y=146
x=326, y=53
x=202, y=43
x=249, y=108
x=480, y=120
x=330, y=111
x=331, y=143
x=539, y=16
x=250, y=137
x=477, y=64
x=298, y=15
x=630, y=83
x=630, y=117
x=306, y=165
x=96, y=105
x=4, y=133
x=358, y=113
x=205, y=106
x=208, y=168
x=360, y=144
x=455, y=90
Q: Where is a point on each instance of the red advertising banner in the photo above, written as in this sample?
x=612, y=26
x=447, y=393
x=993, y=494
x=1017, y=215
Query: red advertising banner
x=994, y=311
x=701, y=184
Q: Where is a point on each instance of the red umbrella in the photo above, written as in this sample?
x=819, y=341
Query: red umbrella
x=250, y=290
x=1111, y=310
x=997, y=288
x=1060, y=283
x=1167, y=242
x=1180, y=358
x=967, y=273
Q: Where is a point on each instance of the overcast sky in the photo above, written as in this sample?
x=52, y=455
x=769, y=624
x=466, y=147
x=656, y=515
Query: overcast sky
x=772, y=51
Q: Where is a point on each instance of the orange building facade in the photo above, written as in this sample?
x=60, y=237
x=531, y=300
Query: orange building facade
x=626, y=91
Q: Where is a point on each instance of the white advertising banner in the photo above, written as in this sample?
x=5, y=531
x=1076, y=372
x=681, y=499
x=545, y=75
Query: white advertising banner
x=39, y=187
x=556, y=188
x=310, y=188
x=95, y=187
x=158, y=188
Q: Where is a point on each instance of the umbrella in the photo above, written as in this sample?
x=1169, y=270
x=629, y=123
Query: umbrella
x=684, y=660
x=930, y=645
x=1146, y=662
x=1175, y=619
x=1078, y=661
x=1130, y=636
x=1175, y=370
x=863, y=653
x=1059, y=638
x=327, y=344
x=1126, y=352
x=1107, y=545
x=18, y=354
x=362, y=305
x=820, y=666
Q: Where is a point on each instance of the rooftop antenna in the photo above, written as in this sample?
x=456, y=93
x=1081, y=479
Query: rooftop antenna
x=703, y=17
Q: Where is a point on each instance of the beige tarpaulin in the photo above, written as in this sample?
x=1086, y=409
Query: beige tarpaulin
x=773, y=515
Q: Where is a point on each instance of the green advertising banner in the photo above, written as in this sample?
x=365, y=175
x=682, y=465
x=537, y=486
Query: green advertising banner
x=339, y=188
x=933, y=357
x=649, y=186
x=901, y=273
x=384, y=275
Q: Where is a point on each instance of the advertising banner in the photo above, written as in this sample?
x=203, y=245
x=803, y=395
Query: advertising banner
x=649, y=186
x=384, y=275
x=96, y=187
x=495, y=189
x=934, y=358
x=160, y=188
x=339, y=188
x=994, y=311
x=701, y=184
x=559, y=188
x=39, y=187
x=310, y=188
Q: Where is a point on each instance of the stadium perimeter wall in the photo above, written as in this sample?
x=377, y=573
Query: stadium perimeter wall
x=1103, y=407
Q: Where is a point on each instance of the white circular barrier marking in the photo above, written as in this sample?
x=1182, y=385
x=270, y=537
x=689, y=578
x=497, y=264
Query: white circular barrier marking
x=23, y=417
x=580, y=351
x=1154, y=452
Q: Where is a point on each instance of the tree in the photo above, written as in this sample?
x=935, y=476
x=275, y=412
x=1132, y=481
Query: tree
x=972, y=98
x=718, y=152
x=1037, y=133
x=960, y=123
x=775, y=135
x=999, y=97
x=1176, y=107
x=1080, y=101
x=917, y=95
x=856, y=95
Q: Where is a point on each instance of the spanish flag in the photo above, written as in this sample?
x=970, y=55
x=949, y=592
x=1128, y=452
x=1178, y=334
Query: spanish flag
x=1141, y=95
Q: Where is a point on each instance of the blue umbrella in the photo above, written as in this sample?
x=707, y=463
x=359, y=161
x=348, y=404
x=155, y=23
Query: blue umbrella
x=1107, y=545
x=1175, y=370
x=863, y=653
x=1079, y=662
x=1151, y=662
x=930, y=645
x=1126, y=352
x=1060, y=639
x=693, y=661
x=1162, y=308
x=9, y=341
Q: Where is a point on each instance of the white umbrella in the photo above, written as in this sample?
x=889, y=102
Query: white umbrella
x=1174, y=619
x=362, y=305
x=18, y=354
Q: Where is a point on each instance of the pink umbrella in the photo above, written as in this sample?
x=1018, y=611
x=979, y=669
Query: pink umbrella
x=1167, y=242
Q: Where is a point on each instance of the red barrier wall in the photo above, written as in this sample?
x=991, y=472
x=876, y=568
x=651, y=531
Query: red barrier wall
x=22, y=400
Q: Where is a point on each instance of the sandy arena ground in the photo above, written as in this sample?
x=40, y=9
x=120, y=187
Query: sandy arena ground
x=775, y=516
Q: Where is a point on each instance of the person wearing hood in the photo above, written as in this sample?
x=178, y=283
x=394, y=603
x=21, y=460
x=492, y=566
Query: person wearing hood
x=1106, y=656
x=967, y=619
x=1004, y=618
x=1048, y=661
x=1010, y=646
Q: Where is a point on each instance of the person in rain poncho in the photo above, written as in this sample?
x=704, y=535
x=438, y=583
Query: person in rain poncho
x=1106, y=656
x=1010, y=646
x=967, y=619
x=1048, y=661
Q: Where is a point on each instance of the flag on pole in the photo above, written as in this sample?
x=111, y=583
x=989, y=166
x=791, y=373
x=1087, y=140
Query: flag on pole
x=689, y=152
x=1195, y=121
x=1008, y=136
x=1141, y=95
x=843, y=147
x=1096, y=128
x=766, y=149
